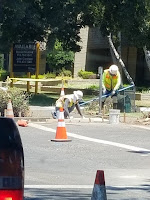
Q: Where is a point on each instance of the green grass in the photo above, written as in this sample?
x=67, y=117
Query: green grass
x=43, y=99
x=50, y=99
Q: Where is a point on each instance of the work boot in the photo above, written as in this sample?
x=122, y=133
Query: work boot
x=54, y=115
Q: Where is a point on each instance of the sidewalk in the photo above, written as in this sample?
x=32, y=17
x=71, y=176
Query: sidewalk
x=43, y=114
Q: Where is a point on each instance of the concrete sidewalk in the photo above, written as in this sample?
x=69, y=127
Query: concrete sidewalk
x=38, y=113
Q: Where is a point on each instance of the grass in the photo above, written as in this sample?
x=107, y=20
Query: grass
x=43, y=99
x=142, y=103
x=50, y=99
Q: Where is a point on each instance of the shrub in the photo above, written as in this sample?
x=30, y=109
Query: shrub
x=3, y=75
x=50, y=75
x=85, y=74
x=45, y=76
x=40, y=76
x=94, y=87
x=59, y=58
x=20, y=101
x=65, y=72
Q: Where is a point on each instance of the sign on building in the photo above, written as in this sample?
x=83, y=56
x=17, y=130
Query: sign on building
x=24, y=57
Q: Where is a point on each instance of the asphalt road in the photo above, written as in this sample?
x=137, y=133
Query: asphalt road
x=67, y=170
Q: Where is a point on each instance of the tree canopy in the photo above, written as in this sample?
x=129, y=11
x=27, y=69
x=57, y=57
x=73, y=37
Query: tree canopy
x=37, y=20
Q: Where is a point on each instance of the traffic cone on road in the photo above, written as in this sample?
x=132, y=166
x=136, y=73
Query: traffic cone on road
x=9, y=111
x=61, y=135
x=99, y=190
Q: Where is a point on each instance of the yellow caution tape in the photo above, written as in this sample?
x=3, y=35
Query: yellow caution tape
x=32, y=79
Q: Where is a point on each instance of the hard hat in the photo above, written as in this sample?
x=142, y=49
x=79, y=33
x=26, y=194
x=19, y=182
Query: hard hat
x=78, y=94
x=113, y=69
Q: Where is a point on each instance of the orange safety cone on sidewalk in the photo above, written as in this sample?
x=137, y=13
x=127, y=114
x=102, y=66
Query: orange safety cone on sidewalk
x=9, y=110
x=99, y=190
x=61, y=135
x=62, y=93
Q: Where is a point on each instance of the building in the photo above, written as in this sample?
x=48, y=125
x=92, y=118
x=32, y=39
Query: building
x=95, y=52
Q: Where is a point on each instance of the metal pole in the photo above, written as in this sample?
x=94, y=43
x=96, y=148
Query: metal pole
x=37, y=66
x=28, y=82
x=100, y=71
x=11, y=67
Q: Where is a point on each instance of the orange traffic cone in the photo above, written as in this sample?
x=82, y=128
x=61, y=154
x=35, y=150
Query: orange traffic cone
x=99, y=190
x=62, y=93
x=9, y=111
x=22, y=123
x=61, y=135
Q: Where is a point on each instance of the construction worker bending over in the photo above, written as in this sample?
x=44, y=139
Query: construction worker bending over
x=68, y=102
x=111, y=81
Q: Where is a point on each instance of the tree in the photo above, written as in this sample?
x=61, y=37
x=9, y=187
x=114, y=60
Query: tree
x=24, y=20
x=131, y=18
x=59, y=59
x=39, y=20
x=21, y=22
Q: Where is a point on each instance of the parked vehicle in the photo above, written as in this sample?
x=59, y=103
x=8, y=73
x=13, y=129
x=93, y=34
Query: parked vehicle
x=11, y=161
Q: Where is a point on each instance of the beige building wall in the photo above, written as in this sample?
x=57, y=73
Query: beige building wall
x=129, y=57
x=132, y=62
x=95, y=52
x=96, y=40
x=80, y=57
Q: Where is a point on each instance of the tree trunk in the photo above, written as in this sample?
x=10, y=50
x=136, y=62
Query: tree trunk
x=147, y=57
x=116, y=59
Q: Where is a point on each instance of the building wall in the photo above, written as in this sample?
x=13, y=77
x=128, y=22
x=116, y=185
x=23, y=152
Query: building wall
x=80, y=57
x=96, y=53
x=129, y=57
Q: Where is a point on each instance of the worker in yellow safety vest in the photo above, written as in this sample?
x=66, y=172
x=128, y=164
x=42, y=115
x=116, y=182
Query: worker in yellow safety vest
x=68, y=102
x=111, y=80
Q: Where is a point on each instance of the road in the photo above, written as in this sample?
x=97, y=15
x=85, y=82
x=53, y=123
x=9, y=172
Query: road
x=67, y=170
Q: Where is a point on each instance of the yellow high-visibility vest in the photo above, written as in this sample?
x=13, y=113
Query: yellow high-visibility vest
x=111, y=82
x=61, y=100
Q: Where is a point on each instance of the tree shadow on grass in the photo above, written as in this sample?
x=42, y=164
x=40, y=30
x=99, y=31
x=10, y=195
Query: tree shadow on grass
x=43, y=100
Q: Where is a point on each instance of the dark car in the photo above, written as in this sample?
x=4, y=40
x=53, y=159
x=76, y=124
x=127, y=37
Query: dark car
x=11, y=161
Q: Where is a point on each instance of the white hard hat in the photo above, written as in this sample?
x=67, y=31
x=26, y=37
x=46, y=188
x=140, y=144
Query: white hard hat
x=78, y=94
x=113, y=69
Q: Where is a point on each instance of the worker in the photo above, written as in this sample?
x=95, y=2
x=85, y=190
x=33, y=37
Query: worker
x=111, y=81
x=68, y=102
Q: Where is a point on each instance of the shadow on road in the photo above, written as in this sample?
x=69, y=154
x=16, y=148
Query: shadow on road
x=55, y=194
x=141, y=192
x=140, y=152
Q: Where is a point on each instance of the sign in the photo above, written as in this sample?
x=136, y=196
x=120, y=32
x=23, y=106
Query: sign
x=24, y=57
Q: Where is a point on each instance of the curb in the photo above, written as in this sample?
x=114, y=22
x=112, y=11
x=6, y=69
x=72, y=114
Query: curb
x=74, y=120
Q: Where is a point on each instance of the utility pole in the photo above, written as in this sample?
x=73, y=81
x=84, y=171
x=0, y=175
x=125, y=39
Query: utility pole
x=100, y=72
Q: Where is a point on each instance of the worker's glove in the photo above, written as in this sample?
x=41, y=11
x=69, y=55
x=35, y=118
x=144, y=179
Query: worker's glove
x=104, y=90
x=113, y=92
